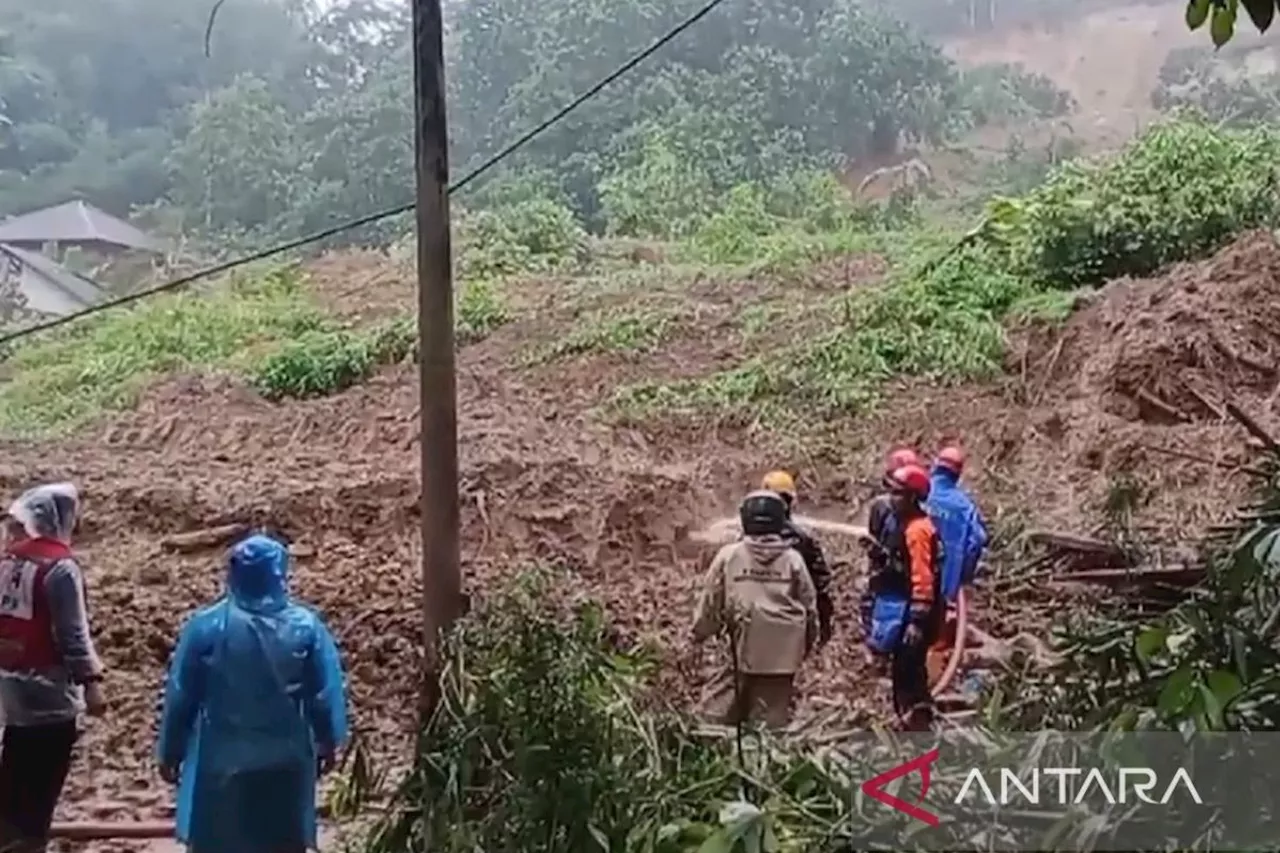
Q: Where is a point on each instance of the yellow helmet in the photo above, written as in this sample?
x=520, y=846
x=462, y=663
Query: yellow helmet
x=780, y=482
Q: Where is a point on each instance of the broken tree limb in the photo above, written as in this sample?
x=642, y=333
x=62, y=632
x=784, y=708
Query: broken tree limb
x=1145, y=396
x=203, y=539
x=1253, y=427
x=107, y=830
x=1071, y=542
x=1205, y=460
x=1000, y=652
x=1181, y=576
x=1203, y=399
x=110, y=830
x=726, y=530
x=1069, y=551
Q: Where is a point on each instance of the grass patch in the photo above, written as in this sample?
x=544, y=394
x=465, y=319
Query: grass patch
x=65, y=378
x=480, y=310
x=322, y=362
x=633, y=333
x=261, y=325
x=782, y=228
x=944, y=323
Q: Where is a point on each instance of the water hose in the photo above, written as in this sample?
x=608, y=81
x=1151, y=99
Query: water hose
x=957, y=650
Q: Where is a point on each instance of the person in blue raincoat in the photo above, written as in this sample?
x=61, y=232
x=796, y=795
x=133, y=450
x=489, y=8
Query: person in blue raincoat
x=959, y=523
x=254, y=711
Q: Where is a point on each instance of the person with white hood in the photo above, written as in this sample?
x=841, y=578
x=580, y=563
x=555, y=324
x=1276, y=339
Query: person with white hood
x=49, y=669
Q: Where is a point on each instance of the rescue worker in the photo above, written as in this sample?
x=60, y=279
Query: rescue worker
x=879, y=515
x=49, y=669
x=254, y=711
x=808, y=548
x=758, y=592
x=913, y=542
x=959, y=523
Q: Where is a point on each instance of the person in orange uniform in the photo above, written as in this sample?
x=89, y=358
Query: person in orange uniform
x=881, y=574
x=918, y=544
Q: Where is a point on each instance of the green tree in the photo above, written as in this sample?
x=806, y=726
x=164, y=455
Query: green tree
x=237, y=165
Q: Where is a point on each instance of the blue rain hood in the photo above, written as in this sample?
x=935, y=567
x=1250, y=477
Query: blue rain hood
x=258, y=574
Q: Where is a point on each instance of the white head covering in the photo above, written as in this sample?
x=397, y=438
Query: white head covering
x=48, y=511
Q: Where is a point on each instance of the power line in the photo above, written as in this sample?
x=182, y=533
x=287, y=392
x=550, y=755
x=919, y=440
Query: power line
x=369, y=219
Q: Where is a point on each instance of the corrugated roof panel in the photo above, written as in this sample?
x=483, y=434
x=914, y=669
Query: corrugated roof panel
x=74, y=222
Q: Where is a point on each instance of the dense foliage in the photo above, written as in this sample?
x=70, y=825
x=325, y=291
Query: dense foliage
x=1221, y=86
x=543, y=741
x=1180, y=191
x=299, y=118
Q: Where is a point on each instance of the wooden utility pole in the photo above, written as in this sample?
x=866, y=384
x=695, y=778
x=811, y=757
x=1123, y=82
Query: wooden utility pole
x=438, y=445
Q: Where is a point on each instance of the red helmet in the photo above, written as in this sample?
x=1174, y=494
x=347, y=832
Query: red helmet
x=951, y=458
x=900, y=458
x=911, y=479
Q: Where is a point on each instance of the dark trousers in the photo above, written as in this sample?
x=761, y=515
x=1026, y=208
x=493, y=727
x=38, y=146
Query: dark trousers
x=911, y=697
x=33, y=767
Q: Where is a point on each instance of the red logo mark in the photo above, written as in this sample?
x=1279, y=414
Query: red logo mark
x=874, y=787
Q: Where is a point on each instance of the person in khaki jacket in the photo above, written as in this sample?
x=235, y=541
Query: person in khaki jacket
x=758, y=592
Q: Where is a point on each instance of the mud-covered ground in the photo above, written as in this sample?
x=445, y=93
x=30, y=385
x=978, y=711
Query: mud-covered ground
x=544, y=481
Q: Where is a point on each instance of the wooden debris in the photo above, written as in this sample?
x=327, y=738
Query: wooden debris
x=203, y=539
x=1205, y=460
x=1178, y=576
x=1253, y=427
x=997, y=652
x=1145, y=396
x=1071, y=542
x=1069, y=552
x=951, y=702
x=108, y=830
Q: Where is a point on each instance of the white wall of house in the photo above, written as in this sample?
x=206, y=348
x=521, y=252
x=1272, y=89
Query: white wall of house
x=44, y=296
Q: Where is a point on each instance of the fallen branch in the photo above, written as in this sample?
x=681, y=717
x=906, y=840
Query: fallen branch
x=1195, y=457
x=1253, y=427
x=1203, y=399
x=203, y=539
x=1184, y=575
x=109, y=830
x=1145, y=396
x=1072, y=542
x=726, y=530
x=1080, y=552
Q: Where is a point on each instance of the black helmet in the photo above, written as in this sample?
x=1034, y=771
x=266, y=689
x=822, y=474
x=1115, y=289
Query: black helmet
x=763, y=513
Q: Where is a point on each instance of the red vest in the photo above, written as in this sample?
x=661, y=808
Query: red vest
x=26, y=626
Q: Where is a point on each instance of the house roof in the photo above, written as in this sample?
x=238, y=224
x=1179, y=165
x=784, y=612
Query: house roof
x=78, y=287
x=74, y=222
